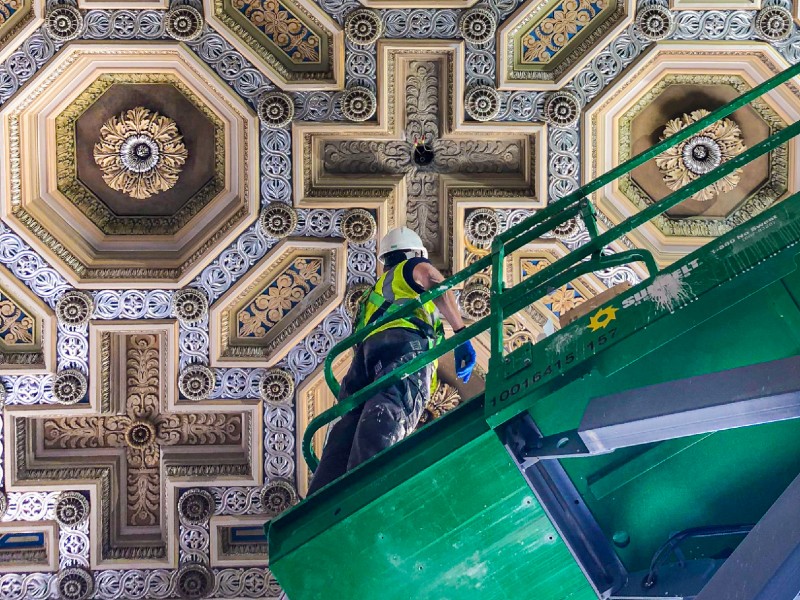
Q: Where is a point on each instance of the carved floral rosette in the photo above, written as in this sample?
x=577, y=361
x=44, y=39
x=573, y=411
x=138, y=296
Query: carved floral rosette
x=196, y=506
x=140, y=153
x=72, y=509
x=277, y=496
x=700, y=154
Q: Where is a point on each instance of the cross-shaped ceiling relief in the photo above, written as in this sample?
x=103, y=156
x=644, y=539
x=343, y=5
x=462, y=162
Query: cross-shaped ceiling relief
x=421, y=157
x=134, y=442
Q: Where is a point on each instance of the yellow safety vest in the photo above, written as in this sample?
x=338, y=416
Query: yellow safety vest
x=390, y=290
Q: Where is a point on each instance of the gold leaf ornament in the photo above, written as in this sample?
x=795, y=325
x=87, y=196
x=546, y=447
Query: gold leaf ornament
x=700, y=154
x=141, y=153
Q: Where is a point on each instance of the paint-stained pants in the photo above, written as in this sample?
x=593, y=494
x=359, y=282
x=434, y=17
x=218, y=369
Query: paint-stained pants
x=384, y=419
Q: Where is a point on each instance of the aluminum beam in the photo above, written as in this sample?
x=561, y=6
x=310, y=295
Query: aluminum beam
x=766, y=565
x=751, y=395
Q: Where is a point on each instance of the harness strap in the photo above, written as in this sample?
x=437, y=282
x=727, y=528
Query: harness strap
x=382, y=303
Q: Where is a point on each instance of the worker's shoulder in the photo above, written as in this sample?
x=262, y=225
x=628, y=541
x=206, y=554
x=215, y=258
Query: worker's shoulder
x=412, y=263
x=415, y=272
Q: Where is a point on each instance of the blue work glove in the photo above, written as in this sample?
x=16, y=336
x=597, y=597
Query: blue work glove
x=465, y=361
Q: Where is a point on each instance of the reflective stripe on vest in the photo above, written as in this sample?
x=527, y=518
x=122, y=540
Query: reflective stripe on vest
x=390, y=292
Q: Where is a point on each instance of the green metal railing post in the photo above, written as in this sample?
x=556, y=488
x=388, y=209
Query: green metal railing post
x=589, y=217
x=497, y=314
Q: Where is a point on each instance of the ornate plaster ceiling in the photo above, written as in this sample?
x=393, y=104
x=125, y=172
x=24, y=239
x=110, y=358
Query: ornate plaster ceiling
x=192, y=194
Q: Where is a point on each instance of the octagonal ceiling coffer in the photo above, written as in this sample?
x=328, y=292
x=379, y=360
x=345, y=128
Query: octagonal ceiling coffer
x=281, y=299
x=671, y=87
x=127, y=174
x=546, y=42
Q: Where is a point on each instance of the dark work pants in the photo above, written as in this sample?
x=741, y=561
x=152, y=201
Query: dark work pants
x=384, y=419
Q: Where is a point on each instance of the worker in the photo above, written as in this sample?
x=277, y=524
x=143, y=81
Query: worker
x=393, y=412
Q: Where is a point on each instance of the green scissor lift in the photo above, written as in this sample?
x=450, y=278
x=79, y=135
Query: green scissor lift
x=640, y=452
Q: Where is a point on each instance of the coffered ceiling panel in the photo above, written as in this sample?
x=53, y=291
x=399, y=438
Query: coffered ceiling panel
x=139, y=171
x=674, y=86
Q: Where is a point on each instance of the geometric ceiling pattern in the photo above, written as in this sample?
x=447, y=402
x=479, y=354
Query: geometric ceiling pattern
x=191, y=193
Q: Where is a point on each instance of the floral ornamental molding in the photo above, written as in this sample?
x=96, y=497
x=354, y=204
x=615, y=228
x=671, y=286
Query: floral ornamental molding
x=700, y=223
x=477, y=26
x=140, y=153
x=358, y=225
x=70, y=387
x=75, y=583
x=276, y=110
x=562, y=109
x=655, y=22
x=549, y=36
x=700, y=154
x=283, y=296
x=481, y=226
x=120, y=161
x=482, y=103
x=280, y=24
x=276, y=386
x=132, y=441
x=545, y=42
x=74, y=308
x=774, y=23
x=194, y=581
x=27, y=329
x=72, y=509
x=363, y=27
x=275, y=301
x=16, y=325
x=420, y=158
x=358, y=104
x=475, y=300
x=196, y=506
x=292, y=42
x=278, y=220
x=64, y=23
x=277, y=496
x=184, y=23
x=16, y=16
x=196, y=382
x=190, y=305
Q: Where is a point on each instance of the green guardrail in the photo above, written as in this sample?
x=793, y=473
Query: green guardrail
x=585, y=259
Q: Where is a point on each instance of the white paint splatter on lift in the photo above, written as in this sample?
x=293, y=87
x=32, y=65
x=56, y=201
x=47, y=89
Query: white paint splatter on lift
x=668, y=290
x=564, y=340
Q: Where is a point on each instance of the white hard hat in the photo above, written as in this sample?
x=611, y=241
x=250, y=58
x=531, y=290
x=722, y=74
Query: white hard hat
x=401, y=238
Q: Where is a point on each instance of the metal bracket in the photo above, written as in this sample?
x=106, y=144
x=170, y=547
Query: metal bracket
x=561, y=501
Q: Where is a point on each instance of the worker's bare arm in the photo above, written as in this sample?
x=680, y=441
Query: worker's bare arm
x=427, y=276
